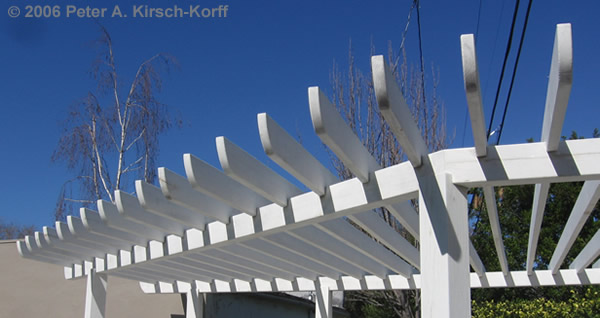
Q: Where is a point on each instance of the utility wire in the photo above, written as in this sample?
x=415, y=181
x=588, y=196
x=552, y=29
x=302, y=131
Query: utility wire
x=506, y=53
x=512, y=80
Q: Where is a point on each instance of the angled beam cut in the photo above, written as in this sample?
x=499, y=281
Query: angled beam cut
x=586, y=201
x=179, y=191
x=335, y=133
x=492, y=210
x=559, y=86
x=473, y=91
x=62, y=230
x=291, y=156
x=93, y=223
x=26, y=253
x=252, y=173
x=213, y=182
x=396, y=112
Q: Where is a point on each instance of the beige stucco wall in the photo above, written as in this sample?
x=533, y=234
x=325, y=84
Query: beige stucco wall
x=34, y=289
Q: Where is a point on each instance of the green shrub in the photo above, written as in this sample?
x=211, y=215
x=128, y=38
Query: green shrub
x=577, y=306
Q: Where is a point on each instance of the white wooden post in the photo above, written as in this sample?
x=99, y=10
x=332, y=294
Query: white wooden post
x=194, y=306
x=95, y=295
x=445, y=287
x=323, y=305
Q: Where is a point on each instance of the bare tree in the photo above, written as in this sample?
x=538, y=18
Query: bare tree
x=9, y=231
x=109, y=137
x=354, y=97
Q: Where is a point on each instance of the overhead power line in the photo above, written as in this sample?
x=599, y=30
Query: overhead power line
x=506, y=53
x=512, y=80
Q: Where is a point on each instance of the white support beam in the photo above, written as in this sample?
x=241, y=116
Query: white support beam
x=152, y=199
x=62, y=230
x=335, y=133
x=394, y=109
x=323, y=304
x=194, y=304
x=560, y=82
x=95, y=295
x=111, y=218
x=291, y=156
x=387, y=236
x=51, y=237
x=445, y=290
x=588, y=255
x=586, y=201
x=130, y=207
x=93, y=223
x=331, y=245
x=540, y=196
x=78, y=230
x=473, y=92
x=252, y=173
x=345, y=232
x=492, y=211
x=178, y=190
x=26, y=253
x=213, y=182
x=475, y=260
x=575, y=160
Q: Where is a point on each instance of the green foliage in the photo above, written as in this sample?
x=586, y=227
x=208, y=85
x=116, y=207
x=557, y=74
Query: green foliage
x=578, y=305
x=514, y=211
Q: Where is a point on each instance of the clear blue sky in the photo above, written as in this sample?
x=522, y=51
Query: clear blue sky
x=261, y=58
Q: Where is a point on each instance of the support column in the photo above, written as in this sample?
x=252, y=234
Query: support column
x=194, y=305
x=444, y=229
x=95, y=295
x=323, y=305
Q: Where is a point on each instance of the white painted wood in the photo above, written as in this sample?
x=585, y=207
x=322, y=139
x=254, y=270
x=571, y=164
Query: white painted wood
x=93, y=223
x=475, y=260
x=130, y=207
x=387, y=236
x=111, y=218
x=575, y=160
x=323, y=304
x=291, y=156
x=396, y=113
x=473, y=92
x=343, y=231
x=95, y=295
x=333, y=246
x=586, y=201
x=335, y=133
x=26, y=253
x=316, y=254
x=213, y=182
x=78, y=230
x=50, y=235
x=560, y=82
x=445, y=290
x=152, y=199
x=588, y=255
x=194, y=303
x=540, y=196
x=492, y=210
x=179, y=191
x=252, y=173
x=564, y=277
x=63, y=233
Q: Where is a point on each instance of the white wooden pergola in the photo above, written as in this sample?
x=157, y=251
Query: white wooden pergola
x=245, y=228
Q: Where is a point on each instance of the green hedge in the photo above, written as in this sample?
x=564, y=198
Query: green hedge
x=574, y=307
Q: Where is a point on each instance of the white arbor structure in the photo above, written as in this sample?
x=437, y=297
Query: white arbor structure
x=246, y=229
